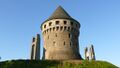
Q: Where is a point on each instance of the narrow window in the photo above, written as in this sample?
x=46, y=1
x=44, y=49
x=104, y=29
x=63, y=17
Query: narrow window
x=68, y=28
x=76, y=25
x=69, y=35
x=50, y=29
x=48, y=36
x=65, y=22
x=57, y=28
x=56, y=35
x=53, y=43
x=65, y=28
x=64, y=43
x=33, y=39
x=47, y=30
x=50, y=23
x=61, y=28
x=57, y=22
x=44, y=26
x=71, y=23
x=70, y=44
x=53, y=28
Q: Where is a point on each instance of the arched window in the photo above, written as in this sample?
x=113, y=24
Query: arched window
x=57, y=22
x=44, y=26
x=65, y=22
x=57, y=28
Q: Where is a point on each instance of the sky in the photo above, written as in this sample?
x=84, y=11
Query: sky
x=20, y=20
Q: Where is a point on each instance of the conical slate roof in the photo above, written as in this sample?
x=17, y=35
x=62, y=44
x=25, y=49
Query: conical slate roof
x=59, y=13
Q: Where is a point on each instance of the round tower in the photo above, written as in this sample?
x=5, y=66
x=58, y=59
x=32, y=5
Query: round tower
x=60, y=34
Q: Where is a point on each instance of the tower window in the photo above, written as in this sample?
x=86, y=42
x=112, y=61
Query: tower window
x=65, y=22
x=71, y=23
x=53, y=28
x=69, y=35
x=44, y=26
x=70, y=44
x=61, y=28
x=48, y=36
x=76, y=25
x=65, y=28
x=50, y=23
x=56, y=35
x=64, y=42
x=68, y=28
x=57, y=22
x=53, y=43
x=50, y=29
x=33, y=39
x=57, y=28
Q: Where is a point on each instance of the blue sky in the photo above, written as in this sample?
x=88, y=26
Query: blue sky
x=20, y=20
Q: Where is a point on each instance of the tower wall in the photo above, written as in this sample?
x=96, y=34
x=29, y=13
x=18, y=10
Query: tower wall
x=61, y=39
x=35, y=49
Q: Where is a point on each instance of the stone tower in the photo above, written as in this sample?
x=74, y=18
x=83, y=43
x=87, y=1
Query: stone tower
x=92, y=53
x=86, y=53
x=60, y=34
x=35, y=50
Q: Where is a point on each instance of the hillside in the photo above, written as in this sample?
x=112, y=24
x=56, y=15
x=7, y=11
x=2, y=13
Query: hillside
x=55, y=64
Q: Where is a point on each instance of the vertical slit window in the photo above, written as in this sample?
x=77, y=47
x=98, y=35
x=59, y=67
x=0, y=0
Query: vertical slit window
x=48, y=36
x=56, y=35
x=69, y=35
x=61, y=28
x=50, y=23
x=53, y=28
x=64, y=43
x=54, y=43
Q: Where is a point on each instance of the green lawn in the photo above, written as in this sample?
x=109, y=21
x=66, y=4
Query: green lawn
x=55, y=64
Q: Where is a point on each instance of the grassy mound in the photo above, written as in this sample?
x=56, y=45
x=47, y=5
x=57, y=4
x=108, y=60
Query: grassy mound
x=55, y=64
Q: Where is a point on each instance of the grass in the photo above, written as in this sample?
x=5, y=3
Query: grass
x=55, y=64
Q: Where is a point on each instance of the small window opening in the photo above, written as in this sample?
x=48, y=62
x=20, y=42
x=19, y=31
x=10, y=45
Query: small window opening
x=57, y=22
x=71, y=23
x=65, y=28
x=44, y=26
x=53, y=28
x=61, y=28
x=65, y=22
x=57, y=28
x=50, y=23
x=64, y=42
x=56, y=35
